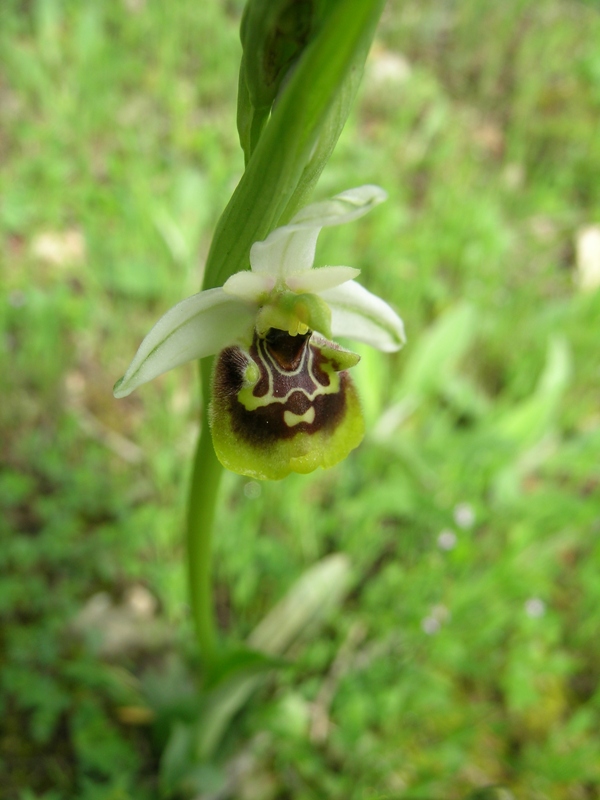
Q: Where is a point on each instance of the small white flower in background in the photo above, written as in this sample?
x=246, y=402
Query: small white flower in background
x=587, y=251
x=386, y=67
x=446, y=539
x=60, y=248
x=252, y=490
x=282, y=399
x=535, y=607
x=464, y=515
x=430, y=625
x=436, y=617
x=17, y=298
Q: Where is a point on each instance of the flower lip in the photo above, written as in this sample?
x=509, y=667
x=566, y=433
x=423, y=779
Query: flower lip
x=285, y=404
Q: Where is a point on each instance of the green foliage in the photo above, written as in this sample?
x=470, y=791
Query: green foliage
x=464, y=653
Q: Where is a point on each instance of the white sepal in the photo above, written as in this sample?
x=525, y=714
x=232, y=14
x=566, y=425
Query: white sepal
x=199, y=326
x=344, y=207
x=360, y=315
x=291, y=248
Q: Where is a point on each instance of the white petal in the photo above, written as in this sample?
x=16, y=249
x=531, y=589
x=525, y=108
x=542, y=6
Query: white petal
x=249, y=286
x=360, y=315
x=197, y=327
x=291, y=249
x=317, y=280
x=285, y=250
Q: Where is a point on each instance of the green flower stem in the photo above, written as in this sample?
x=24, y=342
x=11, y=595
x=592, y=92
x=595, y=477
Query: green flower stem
x=204, y=491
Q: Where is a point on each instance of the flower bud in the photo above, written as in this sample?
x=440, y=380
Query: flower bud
x=274, y=34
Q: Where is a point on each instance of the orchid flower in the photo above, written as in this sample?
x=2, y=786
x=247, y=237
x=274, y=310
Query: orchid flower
x=282, y=399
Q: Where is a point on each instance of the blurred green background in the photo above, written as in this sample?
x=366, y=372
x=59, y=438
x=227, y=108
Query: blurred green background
x=467, y=650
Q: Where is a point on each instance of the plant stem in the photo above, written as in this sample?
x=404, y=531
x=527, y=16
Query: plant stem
x=202, y=502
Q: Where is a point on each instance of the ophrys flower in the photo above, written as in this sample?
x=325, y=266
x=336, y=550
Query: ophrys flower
x=282, y=400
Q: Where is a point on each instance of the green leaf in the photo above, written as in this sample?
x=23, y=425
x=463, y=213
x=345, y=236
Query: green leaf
x=530, y=420
x=274, y=34
x=310, y=599
x=439, y=351
x=238, y=661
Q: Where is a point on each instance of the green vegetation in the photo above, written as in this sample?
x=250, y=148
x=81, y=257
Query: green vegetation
x=465, y=652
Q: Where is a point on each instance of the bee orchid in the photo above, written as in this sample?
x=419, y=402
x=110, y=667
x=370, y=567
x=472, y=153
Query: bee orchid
x=281, y=398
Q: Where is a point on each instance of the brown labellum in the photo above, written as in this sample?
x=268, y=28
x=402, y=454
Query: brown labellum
x=274, y=398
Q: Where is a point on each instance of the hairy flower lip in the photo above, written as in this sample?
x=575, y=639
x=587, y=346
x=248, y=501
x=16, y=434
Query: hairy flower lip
x=284, y=404
x=281, y=267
